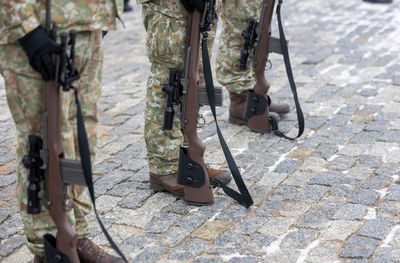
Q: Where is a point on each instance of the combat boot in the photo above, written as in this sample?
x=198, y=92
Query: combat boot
x=89, y=252
x=169, y=183
x=280, y=108
x=238, y=106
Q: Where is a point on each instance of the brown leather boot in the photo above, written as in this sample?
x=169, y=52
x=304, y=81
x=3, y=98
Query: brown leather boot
x=222, y=176
x=169, y=183
x=280, y=108
x=38, y=259
x=89, y=252
x=237, y=108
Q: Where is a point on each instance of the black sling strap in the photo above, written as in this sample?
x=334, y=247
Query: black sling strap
x=243, y=197
x=87, y=170
x=286, y=58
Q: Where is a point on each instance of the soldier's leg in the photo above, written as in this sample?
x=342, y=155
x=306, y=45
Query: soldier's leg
x=24, y=90
x=234, y=14
x=89, y=62
x=165, y=23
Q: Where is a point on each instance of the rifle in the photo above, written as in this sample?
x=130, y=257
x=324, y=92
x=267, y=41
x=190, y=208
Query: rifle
x=183, y=90
x=175, y=94
x=192, y=172
x=50, y=173
x=257, y=37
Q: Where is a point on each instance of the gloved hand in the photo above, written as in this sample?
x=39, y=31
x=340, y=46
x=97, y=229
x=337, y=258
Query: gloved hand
x=190, y=5
x=39, y=47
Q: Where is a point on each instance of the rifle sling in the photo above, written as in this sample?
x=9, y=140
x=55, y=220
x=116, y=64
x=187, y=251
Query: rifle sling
x=87, y=170
x=243, y=197
x=285, y=52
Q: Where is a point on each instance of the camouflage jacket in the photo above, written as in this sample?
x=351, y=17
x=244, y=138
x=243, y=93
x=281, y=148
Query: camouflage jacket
x=18, y=17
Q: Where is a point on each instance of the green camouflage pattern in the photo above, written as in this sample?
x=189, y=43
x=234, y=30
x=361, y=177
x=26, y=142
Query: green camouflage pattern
x=165, y=23
x=24, y=90
x=21, y=16
x=234, y=15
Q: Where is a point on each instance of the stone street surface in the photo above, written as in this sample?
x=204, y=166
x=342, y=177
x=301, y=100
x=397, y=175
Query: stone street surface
x=331, y=196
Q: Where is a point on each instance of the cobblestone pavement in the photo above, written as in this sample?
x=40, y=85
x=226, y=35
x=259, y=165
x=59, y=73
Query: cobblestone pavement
x=331, y=196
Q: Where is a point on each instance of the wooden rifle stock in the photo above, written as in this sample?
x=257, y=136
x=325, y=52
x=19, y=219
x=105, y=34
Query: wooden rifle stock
x=260, y=122
x=66, y=238
x=197, y=195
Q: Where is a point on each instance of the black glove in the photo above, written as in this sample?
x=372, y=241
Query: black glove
x=38, y=46
x=190, y=5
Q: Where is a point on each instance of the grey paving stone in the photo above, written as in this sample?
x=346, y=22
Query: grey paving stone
x=10, y=244
x=10, y=226
x=388, y=169
x=161, y=223
x=393, y=193
x=150, y=254
x=345, y=188
x=283, y=256
x=250, y=225
x=244, y=259
x=326, y=178
x=359, y=247
x=135, y=199
x=207, y=260
x=287, y=166
x=316, y=219
x=299, y=239
x=377, y=182
x=367, y=137
x=342, y=163
x=105, y=183
x=369, y=160
x=188, y=250
x=376, y=228
x=7, y=180
x=233, y=213
x=389, y=210
x=324, y=252
x=135, y=243
x=267, y=208
x=105, y=167
x=365, y=197
x=226, y=244
x=315, y=122
x=298, y=179
x=313, y=142
x=284, y=193
x=387, y=255
x=325, y=151
x=390, y=136
x=123, y=189
x=377, y=125
x=350, y=212
x=311, y=193
x=256, y=245
x=174, y=236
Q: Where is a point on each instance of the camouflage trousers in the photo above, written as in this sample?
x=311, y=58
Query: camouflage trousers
x=24, y=90
x=234, y=14
x=165, y=22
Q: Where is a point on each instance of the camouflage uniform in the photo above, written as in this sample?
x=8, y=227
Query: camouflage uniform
x=165, y=22
x=24, y=90
x=234, y=16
